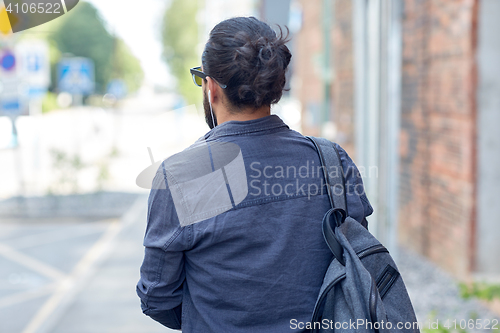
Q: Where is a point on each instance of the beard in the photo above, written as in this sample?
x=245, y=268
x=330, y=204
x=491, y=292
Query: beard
x=208, y=114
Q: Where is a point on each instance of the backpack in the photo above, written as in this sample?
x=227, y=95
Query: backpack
x=362, y=290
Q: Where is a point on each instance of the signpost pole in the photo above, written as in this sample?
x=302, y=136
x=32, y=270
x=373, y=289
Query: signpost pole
x=35, y=109
x=18, y=157
x=14, y=141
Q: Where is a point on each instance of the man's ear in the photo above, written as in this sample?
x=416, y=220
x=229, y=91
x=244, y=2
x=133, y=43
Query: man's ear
x=213, y=87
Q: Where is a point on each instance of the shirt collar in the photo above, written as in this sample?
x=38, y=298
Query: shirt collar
x=234, y=127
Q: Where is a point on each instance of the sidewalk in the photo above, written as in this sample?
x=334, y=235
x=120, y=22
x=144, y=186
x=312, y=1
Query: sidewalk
x=435, y=294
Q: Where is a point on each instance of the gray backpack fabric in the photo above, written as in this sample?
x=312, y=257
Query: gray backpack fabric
x=362, y=289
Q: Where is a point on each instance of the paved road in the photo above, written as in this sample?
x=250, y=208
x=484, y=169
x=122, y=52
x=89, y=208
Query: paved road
x=65, y=275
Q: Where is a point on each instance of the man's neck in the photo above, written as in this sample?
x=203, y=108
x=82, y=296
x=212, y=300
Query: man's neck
x=243, y=115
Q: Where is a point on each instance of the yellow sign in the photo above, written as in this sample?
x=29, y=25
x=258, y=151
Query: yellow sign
x=5, y=28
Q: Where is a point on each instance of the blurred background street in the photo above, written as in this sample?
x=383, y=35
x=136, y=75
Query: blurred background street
x=91, y=98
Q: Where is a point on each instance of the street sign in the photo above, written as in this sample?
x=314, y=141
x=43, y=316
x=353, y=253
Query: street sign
x=11, y=87
x=13, y=97
x=34, y=66
x=117, y=88
x=76, y=76
x=8, y=61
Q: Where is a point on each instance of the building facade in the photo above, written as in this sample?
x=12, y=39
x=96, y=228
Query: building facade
x=411, y=87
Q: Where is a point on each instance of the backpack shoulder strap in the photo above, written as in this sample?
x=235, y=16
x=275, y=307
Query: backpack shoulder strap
x=334, y=178
x=332, y=171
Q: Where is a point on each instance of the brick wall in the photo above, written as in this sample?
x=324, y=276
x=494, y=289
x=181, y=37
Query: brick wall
x=438, y=139
x=306, y=83
x=343, y=84
x=438, y=131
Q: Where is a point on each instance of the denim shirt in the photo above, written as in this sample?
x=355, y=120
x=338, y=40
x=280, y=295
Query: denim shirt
x=257, y=266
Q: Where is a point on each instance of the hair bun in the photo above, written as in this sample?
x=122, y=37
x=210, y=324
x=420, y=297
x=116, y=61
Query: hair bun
x=247, y=55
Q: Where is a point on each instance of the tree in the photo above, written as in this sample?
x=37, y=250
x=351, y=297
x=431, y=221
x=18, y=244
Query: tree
x=82, y=33
x=180, y=38
x=126, y=66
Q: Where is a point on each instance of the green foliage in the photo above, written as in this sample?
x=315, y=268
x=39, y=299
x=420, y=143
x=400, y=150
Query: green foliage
x=49, y=102
x=67, y=169
x=126, y=66
x=102, y=176
x=82, y=33
x=180, y=39
x=481, y=290
x=54, y=57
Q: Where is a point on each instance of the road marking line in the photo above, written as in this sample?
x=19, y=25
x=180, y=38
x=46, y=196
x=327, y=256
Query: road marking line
x=69, y=285
x=52, y=236
x=26, y=295
x=31, y=263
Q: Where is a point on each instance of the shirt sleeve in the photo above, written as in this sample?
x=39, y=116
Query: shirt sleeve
x=358, y=206
x=162, y=271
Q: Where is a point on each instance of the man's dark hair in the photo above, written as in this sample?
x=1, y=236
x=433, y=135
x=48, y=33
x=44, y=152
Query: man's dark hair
x=246, y=55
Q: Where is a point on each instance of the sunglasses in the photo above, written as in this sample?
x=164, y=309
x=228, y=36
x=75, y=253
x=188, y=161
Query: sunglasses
x=198, y=77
